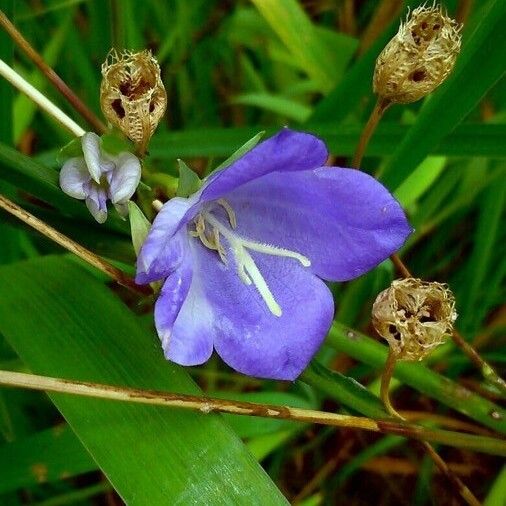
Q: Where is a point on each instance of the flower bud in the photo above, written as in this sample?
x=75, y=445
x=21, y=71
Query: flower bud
x=414, y=316
x=419, y=57
x=132, y=95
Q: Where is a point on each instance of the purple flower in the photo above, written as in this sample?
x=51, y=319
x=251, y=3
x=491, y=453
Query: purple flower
x=242, y=258
x=98, y=176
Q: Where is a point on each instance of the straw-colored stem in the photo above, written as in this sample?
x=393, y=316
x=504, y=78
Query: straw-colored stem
x=209, y=404
x=25, y=87
x=51, y=75
x=118, y=275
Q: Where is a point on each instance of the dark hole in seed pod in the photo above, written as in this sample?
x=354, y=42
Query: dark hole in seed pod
x=395, y=333
x=424, y=25
x=436, y=27
x=118, y=108
x=418, y=75
x=151, y=106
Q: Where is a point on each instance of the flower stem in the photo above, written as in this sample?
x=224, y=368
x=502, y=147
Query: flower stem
x=25, y=87
x=486, y=369
x=118, y=275
x=387, y=375
x=51, y=75
x=208, y=404
x=376, y=114
x=416, y=375
x=457, y=483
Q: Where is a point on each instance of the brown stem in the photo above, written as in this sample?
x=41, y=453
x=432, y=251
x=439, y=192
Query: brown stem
x=400, y=266
x=386, y=377
x=118, y=275
x=457, y=483
x=486, y=369
x=51, y=75
x=209, y=404
x=380, y=107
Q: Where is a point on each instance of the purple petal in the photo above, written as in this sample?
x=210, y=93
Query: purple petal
x=163, y=250
x=184, y=319
x=287, y=151
x=90, y=143
x=248, y=336
x=125, y=178
x=74, y=178
x=96, y=202
x=343, y=220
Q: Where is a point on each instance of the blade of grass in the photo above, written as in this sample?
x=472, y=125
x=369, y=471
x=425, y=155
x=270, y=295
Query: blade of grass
x=79, y=329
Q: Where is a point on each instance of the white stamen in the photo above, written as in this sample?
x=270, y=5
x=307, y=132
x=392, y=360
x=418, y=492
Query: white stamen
x=247, y=270
x=275, y=251
x=251, y=268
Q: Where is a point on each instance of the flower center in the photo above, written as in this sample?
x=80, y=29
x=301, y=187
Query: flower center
x=209, y=230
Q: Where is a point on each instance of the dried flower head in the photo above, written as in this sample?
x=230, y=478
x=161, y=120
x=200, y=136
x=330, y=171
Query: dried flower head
x=414, y=316
x=419, y=57
x=132, y=95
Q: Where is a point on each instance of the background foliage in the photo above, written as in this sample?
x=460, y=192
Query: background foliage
x=232, y=69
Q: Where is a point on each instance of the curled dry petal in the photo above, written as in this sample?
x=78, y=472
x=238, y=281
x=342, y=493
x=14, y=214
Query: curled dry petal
x=414, y=316
x=419, y=57
x=132, y=95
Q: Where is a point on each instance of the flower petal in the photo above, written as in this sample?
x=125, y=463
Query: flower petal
x=96, y=202
x=74, y=178
x=287, y=151
x=343, y=220
x=90, y=143
x=163, y=249
x=125, y=178
x=248, y=336
x=183, y=318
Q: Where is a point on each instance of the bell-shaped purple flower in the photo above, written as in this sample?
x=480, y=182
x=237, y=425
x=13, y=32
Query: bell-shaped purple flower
x=98, y=176
x=243, y=258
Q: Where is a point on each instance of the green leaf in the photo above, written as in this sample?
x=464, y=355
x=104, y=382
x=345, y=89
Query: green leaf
x=63, y=322
x=189, y=181
x=468, y=140
x=420, y=180
x=461, y=93
x=72, y=149
x=279, y=105
x=139, y=226
x=24, y=107
x=296, y=31
x=50, y=455
x=247, y=146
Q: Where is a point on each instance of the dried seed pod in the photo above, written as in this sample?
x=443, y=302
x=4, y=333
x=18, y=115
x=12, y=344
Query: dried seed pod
x=419, y=57
x=414, y=316
x=132, y=95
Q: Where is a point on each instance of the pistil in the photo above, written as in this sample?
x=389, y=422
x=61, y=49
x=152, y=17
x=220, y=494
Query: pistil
x=247, y=269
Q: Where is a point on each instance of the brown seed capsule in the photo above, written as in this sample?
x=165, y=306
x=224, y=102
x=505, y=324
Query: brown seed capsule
x=132, y=95
x=419, y=57
x=414, y=316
